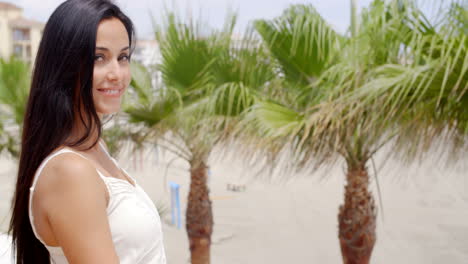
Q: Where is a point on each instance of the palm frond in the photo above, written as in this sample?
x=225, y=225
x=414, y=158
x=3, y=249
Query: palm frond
x=141, y=84
x=302, y=42
x=185, y=56
x=162, y=107
x=14, y=86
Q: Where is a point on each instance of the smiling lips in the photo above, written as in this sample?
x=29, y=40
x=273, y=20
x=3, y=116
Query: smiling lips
x=112, y=92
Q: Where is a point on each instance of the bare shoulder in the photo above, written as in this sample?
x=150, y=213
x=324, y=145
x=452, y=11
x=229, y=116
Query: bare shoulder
x=72, y=198
x=68, y=170
x=66, y=178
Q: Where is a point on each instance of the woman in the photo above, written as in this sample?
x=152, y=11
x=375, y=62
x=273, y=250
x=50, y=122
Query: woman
x=73, y=204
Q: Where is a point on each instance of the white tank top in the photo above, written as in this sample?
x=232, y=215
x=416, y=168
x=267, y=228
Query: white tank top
x=134, y=222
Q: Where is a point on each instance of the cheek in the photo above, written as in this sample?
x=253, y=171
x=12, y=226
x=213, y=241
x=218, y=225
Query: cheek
x=98, y=76
x=127, y=76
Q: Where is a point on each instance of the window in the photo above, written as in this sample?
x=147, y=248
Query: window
x=20, y=34
x=18, y=51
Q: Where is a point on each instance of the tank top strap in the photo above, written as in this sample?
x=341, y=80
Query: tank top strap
x=116, y=163
x=53, y=155
x=44, y=163
x=109, y=155
x=37, y=176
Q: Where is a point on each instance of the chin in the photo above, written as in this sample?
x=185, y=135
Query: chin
x=107, y=110
x=107, y=107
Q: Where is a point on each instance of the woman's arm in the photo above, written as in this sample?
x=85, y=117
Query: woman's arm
x=75, y=206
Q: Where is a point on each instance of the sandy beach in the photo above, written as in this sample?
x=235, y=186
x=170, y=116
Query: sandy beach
x=424, y=217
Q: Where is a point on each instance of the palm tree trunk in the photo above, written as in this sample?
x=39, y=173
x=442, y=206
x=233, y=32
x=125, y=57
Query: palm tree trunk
x=199, y=218
x=357, y=218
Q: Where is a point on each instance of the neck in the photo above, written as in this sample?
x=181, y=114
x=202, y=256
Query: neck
x=79, y=131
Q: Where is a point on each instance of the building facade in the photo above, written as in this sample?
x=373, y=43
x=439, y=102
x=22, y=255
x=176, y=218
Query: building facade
x=147, y=52
x=19, y=36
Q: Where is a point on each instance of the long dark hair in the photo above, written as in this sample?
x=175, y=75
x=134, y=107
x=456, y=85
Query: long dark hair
x=61, y=87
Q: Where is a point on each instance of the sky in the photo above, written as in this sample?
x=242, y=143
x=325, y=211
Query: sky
x=336, y=12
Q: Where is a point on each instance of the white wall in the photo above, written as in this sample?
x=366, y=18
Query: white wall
x=36, y=36
x=5, y=32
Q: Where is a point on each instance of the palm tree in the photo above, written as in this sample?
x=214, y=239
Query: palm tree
x=348, y=96
x=14, y=90
x=208, y=80
x=428, y=93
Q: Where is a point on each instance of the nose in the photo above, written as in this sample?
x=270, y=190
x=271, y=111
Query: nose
x=113, y=71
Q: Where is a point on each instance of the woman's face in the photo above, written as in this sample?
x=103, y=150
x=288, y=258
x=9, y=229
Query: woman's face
x=111, y=74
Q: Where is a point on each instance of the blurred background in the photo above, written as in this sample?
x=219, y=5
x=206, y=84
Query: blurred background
x=307, y=131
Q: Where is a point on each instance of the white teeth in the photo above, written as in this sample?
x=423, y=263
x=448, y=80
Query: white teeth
x=111, y=92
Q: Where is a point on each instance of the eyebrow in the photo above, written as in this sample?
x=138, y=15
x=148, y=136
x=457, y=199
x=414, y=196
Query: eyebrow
x=106, y=49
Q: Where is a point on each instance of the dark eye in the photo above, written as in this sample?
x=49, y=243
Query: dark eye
x=124, y=58
x=98, y=58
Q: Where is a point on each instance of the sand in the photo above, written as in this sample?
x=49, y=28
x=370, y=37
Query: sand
x=424, y=217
